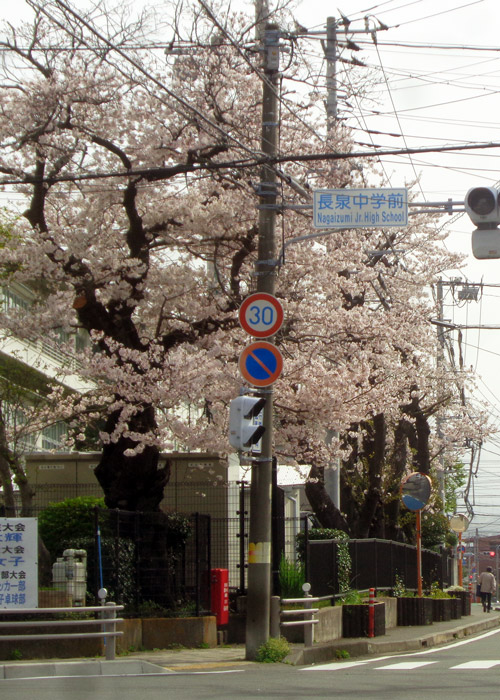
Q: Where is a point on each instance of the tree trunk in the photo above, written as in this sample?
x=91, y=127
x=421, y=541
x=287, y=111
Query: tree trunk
x=132, y=482
x=324, y=509
x=374, y=445
x=5, y=472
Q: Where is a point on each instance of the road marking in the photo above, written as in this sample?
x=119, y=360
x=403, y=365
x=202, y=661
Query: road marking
x=477, y=665
x=204, y=666
x=405, y=666
x=335, y=666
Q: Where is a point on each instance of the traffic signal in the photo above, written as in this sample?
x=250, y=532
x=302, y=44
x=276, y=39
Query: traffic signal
x=482, y=204
x=245, y=422
x=492, y=554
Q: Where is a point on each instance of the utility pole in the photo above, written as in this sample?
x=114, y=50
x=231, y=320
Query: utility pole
x=332, y=471
x=331, y=73
x=259, y=551
x=440, y=362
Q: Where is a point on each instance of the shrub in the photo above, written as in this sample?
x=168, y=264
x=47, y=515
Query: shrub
x=273, y=651
x=437, y=592
x=292, y=577
x=342, y=654
x=399, y=589
x=61, y=524
x=352, y=597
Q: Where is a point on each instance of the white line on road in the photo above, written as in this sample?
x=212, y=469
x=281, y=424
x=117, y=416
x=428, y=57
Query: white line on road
x=477, y=665
x=405, y=666
x=335, y=666
x=340, y=664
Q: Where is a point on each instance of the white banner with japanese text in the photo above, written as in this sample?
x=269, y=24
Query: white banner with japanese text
x=18, y=563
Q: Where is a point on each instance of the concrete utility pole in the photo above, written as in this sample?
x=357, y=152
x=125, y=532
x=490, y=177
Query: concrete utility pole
x=331, y=73
x=440, y=362
x=259, y=551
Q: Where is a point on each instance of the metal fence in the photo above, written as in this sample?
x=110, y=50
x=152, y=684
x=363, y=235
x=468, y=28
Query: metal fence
x=153, y=563
x=136, y=557
x=375, y=564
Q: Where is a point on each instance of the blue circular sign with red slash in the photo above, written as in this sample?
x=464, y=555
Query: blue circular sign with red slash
x=261, y=363
x=261, y=315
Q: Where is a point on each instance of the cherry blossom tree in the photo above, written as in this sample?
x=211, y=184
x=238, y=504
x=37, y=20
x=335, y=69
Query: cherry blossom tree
x=139, y=170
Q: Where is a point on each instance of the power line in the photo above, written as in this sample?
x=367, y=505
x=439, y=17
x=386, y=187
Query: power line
x=186, y=168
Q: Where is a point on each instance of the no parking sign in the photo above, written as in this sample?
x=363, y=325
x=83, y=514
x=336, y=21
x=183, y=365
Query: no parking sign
x=261, y=363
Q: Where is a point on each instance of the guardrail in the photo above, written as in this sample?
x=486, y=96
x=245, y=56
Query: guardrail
x=107, y=622
x=308, y=612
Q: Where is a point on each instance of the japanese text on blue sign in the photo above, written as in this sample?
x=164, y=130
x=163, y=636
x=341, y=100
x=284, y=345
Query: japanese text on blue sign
x=356, y=208
x=18, y=563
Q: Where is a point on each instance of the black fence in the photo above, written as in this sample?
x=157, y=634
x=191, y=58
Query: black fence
x=153, y=563
x=139, y=559
x=375, y=564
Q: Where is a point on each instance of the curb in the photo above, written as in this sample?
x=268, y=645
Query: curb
x=322, y=653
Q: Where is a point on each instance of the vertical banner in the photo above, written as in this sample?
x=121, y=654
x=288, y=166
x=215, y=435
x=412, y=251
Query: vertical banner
x=18, y=563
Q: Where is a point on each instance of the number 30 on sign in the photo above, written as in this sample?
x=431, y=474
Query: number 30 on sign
x=261, y=315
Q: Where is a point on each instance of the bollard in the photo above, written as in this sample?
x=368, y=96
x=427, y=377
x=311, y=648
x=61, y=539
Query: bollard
x=109, y=612
x=371, y=613
x=275, y=616
x=308, y=628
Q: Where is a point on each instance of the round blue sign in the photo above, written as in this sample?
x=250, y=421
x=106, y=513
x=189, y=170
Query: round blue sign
x=261, y=363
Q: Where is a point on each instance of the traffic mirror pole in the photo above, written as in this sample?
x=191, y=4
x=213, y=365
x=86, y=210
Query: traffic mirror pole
x=259, y=549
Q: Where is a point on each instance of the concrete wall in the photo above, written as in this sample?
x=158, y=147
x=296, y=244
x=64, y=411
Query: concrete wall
x=329, y=626
x=391, y=612
x=151, y=633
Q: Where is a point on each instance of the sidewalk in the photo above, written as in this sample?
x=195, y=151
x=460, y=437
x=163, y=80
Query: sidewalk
x=401, y=639
x=396, y=640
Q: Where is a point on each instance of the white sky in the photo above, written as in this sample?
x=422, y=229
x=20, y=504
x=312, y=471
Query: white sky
x=437, y=71
x=437, y=83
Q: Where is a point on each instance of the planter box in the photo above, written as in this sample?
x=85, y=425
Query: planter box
x=161, y=633
x=456, y=608
x=441, y=609
x=465, y=601
x=415, y=611
x=355, y=620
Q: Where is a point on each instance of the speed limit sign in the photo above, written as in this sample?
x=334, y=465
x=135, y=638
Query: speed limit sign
x=261, y=315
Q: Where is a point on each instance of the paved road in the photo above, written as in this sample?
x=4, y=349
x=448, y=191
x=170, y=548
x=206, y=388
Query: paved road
x=465, y=668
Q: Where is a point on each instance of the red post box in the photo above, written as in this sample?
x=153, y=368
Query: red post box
x=219, y=591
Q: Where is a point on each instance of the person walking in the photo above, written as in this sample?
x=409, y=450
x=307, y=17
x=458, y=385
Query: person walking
x=488, y=586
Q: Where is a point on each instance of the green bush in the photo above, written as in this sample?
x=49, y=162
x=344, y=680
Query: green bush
x=399, y=589
x=342, y=654
x=118, y=563
x=60, y=525
x=292, y=577
x=437, y=592
x=352, y=597
x=273, y=651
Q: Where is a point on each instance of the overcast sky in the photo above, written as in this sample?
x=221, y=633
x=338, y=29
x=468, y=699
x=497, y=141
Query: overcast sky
x=437, y=83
